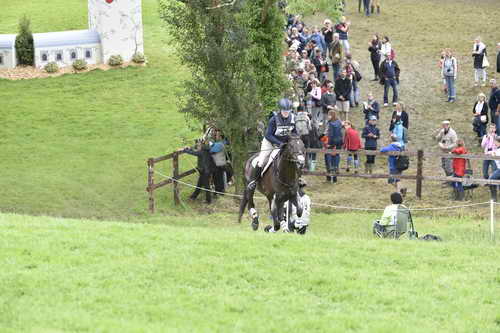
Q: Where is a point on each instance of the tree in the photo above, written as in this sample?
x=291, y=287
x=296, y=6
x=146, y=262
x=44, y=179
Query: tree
x=235, y=59
x=24, y=43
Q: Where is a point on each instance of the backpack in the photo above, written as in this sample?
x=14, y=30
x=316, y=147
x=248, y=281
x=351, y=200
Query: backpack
x=357, y=75
x=402, y=162
x=302, y=124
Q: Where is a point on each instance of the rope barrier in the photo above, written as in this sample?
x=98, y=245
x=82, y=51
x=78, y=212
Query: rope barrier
x=323, y=205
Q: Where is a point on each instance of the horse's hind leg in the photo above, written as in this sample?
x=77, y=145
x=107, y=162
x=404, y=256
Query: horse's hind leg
x=254, y=215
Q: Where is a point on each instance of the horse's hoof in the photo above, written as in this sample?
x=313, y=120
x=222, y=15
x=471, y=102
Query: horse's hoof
x=268, y=228
x=255, y=224
x=302, y=230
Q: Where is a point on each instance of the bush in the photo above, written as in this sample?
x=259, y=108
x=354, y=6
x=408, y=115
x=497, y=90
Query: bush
x=79, y=64
x=24, y=43
x=139, y=58
x=115, y=60
x=51, y=67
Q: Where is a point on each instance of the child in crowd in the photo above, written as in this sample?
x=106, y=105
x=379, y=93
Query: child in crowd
x=459, y=165
x=352, y=143
x=371, y=134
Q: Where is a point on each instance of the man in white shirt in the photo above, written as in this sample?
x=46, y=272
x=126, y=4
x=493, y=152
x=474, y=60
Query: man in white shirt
x=296, y=223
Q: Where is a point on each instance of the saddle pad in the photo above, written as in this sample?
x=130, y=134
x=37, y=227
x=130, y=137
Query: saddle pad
x=268, y=162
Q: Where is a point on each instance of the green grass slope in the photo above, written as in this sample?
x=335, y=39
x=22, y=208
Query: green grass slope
x=76, y=145
x=73, y=275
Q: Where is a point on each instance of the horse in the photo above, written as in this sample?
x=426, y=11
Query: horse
x=278, y=184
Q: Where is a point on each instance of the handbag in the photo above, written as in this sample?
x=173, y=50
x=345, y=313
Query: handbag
x=486, y=63
x=483, y=119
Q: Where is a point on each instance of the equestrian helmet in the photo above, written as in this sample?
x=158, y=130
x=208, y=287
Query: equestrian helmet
x=285, y=105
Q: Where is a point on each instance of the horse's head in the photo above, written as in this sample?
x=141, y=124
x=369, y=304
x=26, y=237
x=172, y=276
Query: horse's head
x=295, y=151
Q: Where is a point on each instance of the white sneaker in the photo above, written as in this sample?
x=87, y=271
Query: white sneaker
x=385, y=104
x=394, y=104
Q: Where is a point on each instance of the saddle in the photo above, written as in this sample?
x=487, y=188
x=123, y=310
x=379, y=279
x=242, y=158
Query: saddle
x=268, y=161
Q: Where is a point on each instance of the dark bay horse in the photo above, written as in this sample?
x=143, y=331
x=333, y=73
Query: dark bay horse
x=279, y=183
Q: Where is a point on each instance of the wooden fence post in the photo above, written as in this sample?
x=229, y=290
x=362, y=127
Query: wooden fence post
x=151, y=182
x=175, y=167
x=420, y=167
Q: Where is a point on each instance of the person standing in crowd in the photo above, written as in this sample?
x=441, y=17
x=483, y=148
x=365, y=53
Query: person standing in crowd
x=375, y=3
x=303, y=125
x=386, y=48
x=459, y=166
x=447, y=140
x=488, y=145
x=496, y=173
x=394, y=146
x=352, y=143
x=342, y=28
x=371, y=134
x=400, y=112
x=335, y=138
x=219, y=155
x=478, y=53
x=327, y=32
x=205, y=166
x=498, y=57
x=371, y=108
x=353, y=73
x=374, y=46
x=321, y=65
x=480, y=112
x=400, y=132
x=328, y=104
x=389, y=71
x=342, y=92
x=318, y=39
x=440, y=65
x=449, y=73
x=336, y=55
x=316, y=112
x=494, y=104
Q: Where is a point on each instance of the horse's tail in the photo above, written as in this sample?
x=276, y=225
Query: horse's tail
x=243, y=204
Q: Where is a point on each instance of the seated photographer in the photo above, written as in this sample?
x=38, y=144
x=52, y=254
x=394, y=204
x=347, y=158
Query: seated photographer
x=395, y=219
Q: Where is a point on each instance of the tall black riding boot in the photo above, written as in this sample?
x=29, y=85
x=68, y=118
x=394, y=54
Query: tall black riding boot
x=254, y=178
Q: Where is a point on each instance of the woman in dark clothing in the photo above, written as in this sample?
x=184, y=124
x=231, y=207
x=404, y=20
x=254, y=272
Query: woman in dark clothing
x=206, y=167
x=400, y=111
x=374, y=47
x=480, y=111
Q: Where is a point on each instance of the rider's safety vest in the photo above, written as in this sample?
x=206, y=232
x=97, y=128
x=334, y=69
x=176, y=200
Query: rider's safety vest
x=284, y=127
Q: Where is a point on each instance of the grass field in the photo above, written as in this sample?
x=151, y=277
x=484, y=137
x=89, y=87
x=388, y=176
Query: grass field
x=205, y=275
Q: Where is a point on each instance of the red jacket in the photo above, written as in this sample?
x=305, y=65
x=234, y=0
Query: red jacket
x=352, y=141
x=459, y=164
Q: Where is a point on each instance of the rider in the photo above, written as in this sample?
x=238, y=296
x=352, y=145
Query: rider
x=279, y=128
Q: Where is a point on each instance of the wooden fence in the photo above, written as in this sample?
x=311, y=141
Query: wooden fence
x=419, y=176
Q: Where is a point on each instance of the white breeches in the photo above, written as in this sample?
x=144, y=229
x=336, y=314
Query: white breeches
x=266, y=148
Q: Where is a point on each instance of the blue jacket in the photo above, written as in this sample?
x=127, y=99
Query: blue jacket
x=395, y=146
x=401, y=133
x=278, y=122
x=370, y=142
x=335, y=136
x=319, y=39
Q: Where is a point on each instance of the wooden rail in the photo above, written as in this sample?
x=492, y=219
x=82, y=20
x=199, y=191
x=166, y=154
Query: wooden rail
x=175, y=176
x=419, y=177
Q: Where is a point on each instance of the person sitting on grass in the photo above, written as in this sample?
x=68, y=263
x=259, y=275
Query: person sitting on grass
x=299, y=224
x=394, y=220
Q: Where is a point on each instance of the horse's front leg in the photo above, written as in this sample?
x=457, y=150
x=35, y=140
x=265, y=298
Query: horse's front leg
x=275, y=214
x=254, y=215
x=279, y=212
